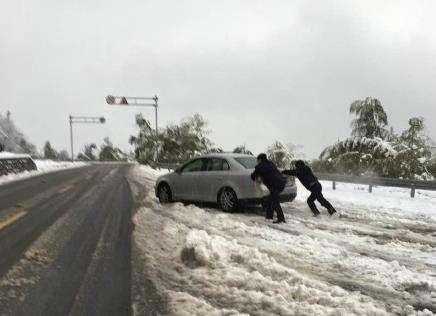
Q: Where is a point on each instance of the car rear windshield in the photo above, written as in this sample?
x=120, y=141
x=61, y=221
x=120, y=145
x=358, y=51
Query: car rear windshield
x=247, y=162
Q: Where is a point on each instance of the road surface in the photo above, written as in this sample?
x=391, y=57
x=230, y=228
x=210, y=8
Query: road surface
x=65, y=243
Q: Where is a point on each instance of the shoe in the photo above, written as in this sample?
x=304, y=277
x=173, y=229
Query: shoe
x=316, y=213
x=331, y=211
x=279, y=221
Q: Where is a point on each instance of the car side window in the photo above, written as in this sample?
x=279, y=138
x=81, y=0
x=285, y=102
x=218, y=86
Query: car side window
x=226, y=165
x=216, y=164
x=193, y=166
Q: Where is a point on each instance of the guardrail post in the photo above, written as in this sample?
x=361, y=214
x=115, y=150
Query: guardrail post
x=412, y=191
x=334, y=185
x=370, y=188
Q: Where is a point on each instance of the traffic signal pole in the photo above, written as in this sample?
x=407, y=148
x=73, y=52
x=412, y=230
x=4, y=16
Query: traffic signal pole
x=136, y=101
x=82, y=120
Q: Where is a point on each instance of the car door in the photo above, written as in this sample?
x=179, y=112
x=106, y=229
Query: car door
x=185, y=184
x=211, y=179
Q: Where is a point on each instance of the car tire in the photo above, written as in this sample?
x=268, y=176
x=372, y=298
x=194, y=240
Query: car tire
x=164, y=193
x=228, y=200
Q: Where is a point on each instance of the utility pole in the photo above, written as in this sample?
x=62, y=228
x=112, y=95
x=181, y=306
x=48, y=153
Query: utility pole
x=71, y=138
x=82, y=120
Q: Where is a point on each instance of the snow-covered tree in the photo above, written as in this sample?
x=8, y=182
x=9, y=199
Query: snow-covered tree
x=63, y=155
x=376, y=147
x=404, y=157
x=13, y=139
x=414, y=137
x=49, y=151
x=280, y=154
x=373, y=150
x=146, y=141
x=176, y=142
x=215, y=150
x=88, y=152
x=371, y=119
x=242, y=150
x=110, y=153
x=357, y=155
x=413, y=148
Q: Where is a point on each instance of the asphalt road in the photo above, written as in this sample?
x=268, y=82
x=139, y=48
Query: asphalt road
x=65, y=243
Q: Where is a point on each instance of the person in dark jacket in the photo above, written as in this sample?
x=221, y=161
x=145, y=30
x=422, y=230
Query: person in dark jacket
x=311, y=183
x=273, y=179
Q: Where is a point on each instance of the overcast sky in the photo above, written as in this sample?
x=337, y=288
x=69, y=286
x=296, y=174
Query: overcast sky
x=257, y=70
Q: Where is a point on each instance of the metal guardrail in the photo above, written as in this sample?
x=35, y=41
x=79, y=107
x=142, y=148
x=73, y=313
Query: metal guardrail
x=413, y=185
x=16, y=165
x=375, y=181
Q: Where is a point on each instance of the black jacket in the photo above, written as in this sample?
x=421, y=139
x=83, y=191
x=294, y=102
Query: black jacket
x=304, y=174
x=271, y=176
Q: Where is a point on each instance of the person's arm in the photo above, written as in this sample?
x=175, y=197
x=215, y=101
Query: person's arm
x=255, y=174
x=290, y=172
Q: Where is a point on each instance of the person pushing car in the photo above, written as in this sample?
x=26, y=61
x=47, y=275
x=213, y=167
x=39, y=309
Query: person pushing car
x=311, y=183
x=273, y=179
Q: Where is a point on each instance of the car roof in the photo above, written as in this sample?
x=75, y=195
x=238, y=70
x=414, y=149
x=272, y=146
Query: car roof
x=224, y=155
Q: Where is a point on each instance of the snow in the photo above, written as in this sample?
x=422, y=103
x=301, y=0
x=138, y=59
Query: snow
x=375, y=146
x=382, y=202
x=377, y=258
x=5, y=154
x=154, y=172
x=44, y=166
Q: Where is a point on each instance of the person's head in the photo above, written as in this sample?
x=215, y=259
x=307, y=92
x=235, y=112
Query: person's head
x=261, y=157
x=299, y=163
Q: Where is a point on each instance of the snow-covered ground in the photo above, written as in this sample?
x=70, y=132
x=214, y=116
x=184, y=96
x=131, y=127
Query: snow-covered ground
x=44, y=166
x=5, y=154
x=378, y=257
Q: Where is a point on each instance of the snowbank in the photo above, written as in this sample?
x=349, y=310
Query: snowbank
x=5, y=154
x=382, y=202
x=378, y=258
x=153, y=172
x=44, y=166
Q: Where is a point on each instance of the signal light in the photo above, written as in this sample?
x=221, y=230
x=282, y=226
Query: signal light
x=123, y=101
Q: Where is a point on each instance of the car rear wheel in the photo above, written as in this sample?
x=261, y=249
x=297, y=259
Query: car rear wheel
x=227, y=200
x=164, y=193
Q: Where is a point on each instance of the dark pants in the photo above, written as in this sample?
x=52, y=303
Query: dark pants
x=316, y=194
x=272, y=203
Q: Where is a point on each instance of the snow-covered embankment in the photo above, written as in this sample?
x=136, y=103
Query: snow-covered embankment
x=43, y=166
x=377, y=258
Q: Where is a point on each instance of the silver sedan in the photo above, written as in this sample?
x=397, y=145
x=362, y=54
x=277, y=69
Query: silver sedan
x=218, y=178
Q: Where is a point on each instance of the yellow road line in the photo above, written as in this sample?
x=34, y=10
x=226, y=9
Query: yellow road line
x=65, y=188
x=11, y=219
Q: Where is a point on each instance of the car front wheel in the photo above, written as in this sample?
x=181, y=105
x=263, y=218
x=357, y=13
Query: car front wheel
x=164, y=194
x=227, y=200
